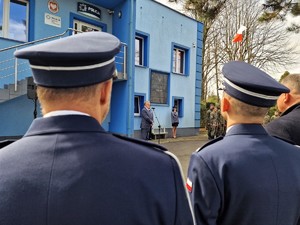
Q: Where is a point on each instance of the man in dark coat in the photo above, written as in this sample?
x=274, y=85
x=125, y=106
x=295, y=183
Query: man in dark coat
x=147, y=121
x=247, y=177
x=287, y=126
x=67, y=170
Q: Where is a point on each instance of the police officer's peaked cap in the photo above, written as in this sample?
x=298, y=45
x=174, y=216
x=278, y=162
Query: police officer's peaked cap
x=251, y=85
x=74, y=61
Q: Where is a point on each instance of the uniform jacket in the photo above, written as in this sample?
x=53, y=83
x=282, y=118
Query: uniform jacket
x=246, y=178
x=147, y=118
x=287, y=125
x=67, y=170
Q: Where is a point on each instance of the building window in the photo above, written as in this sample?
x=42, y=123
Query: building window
x=159, y=89
x=180, y=60
x=84, y=24
x=138, y=104
x=178, y=103
x=81, y=26
x=141, y=49
x=14, y=19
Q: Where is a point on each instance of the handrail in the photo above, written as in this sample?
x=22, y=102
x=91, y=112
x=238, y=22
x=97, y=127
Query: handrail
x=40, y=40
x=10, y=65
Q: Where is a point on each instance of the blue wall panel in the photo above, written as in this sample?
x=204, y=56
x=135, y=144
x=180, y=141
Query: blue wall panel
x=198, y=75
x=167, y=28
x=16, y=120
x=163, y=26
x=122, y=103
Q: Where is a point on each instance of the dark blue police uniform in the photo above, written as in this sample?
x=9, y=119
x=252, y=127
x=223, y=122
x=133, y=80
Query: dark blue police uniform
x=248, y=177
x=67, y=170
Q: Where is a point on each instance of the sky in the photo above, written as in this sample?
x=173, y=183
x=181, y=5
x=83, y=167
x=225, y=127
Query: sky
x=294, y=38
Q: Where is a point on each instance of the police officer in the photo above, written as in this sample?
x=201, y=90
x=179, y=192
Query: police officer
x=67, y=170
x=247, y=177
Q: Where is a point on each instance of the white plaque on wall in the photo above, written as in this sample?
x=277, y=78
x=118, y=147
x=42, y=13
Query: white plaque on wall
x=52, y=20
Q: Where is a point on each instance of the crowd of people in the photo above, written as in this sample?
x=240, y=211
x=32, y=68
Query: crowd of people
x=67, y=170
x=242, y=178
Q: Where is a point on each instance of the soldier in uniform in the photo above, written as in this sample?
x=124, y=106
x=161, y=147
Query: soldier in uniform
x=248, y=177
x=67, y=170
x=214, y=123
x=218, y=123
x=275, y=116
x=209, y=125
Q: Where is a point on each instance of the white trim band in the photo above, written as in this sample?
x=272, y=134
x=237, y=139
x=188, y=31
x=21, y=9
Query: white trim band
x=72, y=68
x=257, y=95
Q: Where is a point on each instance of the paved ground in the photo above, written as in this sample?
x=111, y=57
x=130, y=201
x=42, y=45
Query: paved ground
x=183, y=147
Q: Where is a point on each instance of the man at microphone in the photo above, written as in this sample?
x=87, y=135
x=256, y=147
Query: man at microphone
x=147, y=121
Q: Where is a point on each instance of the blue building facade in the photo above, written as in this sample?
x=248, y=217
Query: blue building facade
x=160, y=59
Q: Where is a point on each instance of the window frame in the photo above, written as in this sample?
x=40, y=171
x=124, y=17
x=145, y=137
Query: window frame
x=144, y=46
x=139, y=55
x=179, y=106
x=141, y=99
x=74, y=16
x=181, y=67
x=6, y=19
x=185, y=59
x=81, y=23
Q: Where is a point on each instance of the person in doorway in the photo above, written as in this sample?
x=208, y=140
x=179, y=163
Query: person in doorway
x=175, y=121
x=247, y=177
x=147, y=121
x=67, y=170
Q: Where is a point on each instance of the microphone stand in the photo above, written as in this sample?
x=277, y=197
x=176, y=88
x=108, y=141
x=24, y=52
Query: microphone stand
x=158, y=125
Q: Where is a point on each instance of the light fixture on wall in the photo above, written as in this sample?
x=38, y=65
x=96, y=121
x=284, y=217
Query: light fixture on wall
x=120, y=14
x=110, y=12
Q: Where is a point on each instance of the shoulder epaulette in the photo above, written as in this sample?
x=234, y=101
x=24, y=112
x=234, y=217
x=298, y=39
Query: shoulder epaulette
x=210, y=142
x=141, y=142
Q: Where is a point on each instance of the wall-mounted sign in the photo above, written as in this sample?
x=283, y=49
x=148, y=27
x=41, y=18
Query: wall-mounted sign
x=89, y=10
x=53, y=6
x=52, y=20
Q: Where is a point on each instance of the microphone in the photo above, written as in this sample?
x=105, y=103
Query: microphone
x=152, y=108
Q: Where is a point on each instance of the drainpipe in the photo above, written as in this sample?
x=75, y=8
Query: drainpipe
x=130, y=71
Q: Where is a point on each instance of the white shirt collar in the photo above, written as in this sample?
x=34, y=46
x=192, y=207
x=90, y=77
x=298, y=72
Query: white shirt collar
x=64, y=112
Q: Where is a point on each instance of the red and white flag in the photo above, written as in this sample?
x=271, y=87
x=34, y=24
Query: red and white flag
x=189, y=185
x=239, y=35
